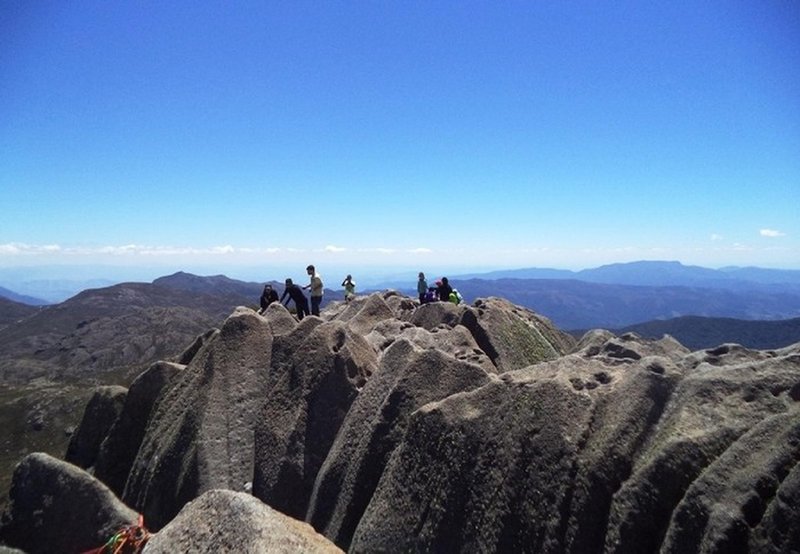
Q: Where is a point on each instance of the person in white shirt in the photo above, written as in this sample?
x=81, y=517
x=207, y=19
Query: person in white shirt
x=316, y=289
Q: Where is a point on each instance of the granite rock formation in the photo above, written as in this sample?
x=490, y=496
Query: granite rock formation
x=389, y=426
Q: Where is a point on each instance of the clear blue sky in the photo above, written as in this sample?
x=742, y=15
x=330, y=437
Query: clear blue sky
x=412, y=134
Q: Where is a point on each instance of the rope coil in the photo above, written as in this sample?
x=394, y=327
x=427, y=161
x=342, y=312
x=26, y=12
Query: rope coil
x=128, y=540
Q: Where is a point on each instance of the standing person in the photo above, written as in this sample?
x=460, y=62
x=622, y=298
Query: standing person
x=300, y=300
x=444, y=289
x=422, y=287
x=316, y=289
x=349, y=288
x=268, y=297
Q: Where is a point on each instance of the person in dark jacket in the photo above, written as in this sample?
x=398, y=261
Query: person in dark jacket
x=268, y=297
x=300, y=301
x=443, y=289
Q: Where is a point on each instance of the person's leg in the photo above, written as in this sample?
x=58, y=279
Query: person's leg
x=298, y=307
x=315, y=302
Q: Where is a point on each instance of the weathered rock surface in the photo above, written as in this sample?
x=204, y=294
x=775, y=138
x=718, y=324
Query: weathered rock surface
x=393, y=427
x=226, y=521
x=316, y=373
x=102, y=410
x=702, y=437
x=408, y=377
x=279, y=318
x=364, y=313
x=511, y=336
x=57, y=507
x=525, y=463
x=186, y=356
x=602, y=454
x=201, y=435
x=433, y=314
x=118, y=450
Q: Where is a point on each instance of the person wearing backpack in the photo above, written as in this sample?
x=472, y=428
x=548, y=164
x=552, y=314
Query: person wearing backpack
x=444, y=289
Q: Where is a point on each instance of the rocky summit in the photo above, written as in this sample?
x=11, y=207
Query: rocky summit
x=386, y=426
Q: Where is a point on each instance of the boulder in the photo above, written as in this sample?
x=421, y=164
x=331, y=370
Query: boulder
x=118, y=450
x=592, y=341
x=227, y=521
x=433, y=314
x=279, y=318
x=101, y=411
x=386, y=332
x=55, y=506
x=408, y=377
x=513, y=337
x=528, y=462
x=629, y=347
x=201, y=434
x=364, y=315
x=400, y=304
x=317, y=372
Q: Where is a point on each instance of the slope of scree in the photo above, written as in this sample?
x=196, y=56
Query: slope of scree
x=390, y=426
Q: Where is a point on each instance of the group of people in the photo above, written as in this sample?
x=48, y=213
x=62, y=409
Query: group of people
x=295, y=293
x=442, y=292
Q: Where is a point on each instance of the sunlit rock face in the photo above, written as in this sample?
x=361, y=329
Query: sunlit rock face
x=387, y=426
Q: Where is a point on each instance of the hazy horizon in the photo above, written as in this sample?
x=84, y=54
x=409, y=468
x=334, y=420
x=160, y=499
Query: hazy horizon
x=58, y=282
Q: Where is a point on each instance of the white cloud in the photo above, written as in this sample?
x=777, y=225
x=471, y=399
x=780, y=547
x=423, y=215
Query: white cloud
x=21, y=249
x=715, y=237
x=420, y=251
x=771, y=233
x=332, y=248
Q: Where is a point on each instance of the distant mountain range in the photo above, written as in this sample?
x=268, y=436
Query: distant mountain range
x=21, y=298
x=573, y=304
x=697, y=333
x=122, y=326
x=614, y=297
x=654, y=274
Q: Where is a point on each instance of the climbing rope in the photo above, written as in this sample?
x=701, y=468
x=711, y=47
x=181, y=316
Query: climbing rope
x=128, y=540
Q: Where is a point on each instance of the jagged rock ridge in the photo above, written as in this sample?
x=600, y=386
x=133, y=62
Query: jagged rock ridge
x=393, y=427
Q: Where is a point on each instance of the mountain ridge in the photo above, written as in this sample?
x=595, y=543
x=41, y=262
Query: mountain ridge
x=652, y=273
x=698, y=333
x=21, y=298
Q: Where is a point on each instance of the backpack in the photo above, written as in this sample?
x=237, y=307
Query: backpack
x=455, y=297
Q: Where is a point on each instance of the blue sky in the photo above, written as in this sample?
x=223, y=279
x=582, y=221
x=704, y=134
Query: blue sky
x=404, y=134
